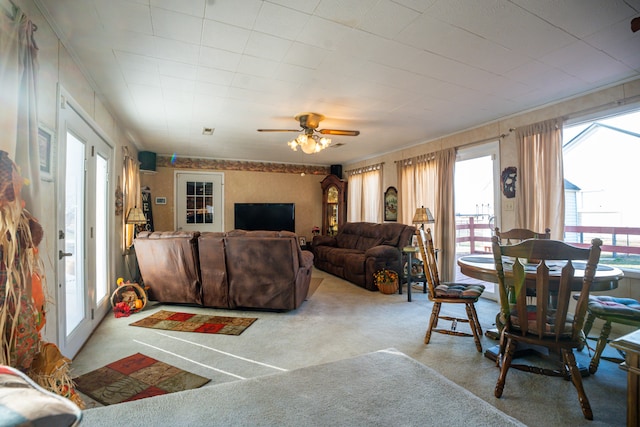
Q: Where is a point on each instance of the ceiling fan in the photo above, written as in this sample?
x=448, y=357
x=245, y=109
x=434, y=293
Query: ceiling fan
x=308, y=141
x=309, y=124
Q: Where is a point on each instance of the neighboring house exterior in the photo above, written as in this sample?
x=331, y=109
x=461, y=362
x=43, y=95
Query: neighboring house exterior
x=602, y=198
x=571, y=208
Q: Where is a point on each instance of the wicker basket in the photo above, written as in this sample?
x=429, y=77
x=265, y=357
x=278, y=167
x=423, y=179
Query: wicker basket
x=388, y=287
x=122, y=293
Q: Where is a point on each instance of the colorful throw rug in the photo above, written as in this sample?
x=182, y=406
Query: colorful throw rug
x=135, y=377
x=189, y=322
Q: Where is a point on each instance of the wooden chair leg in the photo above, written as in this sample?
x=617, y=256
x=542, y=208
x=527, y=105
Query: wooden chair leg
x=602, y=343
x=507, y=357
x=588, y=324
x=433, y=321
x=576, y=379
x=475, y=324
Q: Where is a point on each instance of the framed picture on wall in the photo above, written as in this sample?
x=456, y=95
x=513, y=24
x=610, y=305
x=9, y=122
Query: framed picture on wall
x=45, y=143
x=391, y=204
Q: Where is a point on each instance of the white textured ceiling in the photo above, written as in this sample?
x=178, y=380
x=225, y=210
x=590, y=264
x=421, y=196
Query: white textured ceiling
x=400, y=71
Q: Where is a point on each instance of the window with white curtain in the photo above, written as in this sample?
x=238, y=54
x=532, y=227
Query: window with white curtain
x=364, y=194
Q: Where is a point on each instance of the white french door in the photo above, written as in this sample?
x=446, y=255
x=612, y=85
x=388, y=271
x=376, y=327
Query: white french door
x=476, y=202
x=199, y=201
x=84, y=228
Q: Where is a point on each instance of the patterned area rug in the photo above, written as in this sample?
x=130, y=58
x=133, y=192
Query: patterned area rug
x=189, y=322
x=135, y=377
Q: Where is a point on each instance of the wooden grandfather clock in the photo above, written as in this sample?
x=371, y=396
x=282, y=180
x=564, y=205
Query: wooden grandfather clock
x=334, y=204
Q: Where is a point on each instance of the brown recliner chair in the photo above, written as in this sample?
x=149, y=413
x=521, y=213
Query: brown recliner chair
x=254, y=269
x=168, y=263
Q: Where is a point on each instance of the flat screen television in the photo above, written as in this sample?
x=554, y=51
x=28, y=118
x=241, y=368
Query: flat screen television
x=265, y=216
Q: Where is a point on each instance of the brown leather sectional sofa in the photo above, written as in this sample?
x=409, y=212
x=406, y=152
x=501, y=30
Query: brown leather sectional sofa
x=362, y=248
x=235, y=269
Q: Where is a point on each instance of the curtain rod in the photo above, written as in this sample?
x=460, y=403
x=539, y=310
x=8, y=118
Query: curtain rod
x=599, y=108
x=364, y=169
x=493, y=138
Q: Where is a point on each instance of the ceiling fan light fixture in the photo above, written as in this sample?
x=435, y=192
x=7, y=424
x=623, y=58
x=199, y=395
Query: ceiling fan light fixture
x=311, y=140
x=309, y=144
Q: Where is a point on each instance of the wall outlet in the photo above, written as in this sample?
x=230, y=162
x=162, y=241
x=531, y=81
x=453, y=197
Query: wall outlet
x=508, y=205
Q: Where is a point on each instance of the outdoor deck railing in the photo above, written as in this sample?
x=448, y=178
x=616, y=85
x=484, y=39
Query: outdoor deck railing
x=617, y=240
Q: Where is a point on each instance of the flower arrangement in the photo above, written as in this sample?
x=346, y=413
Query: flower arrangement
x=384, y=276
x=387, y=281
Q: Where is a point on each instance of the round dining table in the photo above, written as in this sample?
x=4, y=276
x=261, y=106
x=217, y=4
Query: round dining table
x=482, y=267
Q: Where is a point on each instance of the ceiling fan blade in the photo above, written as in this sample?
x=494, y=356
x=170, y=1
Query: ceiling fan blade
x=279, y=130
x=339, y=132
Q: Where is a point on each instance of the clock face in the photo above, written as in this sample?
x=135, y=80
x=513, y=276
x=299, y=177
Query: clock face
x=508, y=178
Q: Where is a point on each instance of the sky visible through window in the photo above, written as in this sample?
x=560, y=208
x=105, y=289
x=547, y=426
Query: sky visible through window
x=627, y=121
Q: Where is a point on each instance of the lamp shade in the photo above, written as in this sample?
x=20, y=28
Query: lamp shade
x=423, y=216
x=136, y=216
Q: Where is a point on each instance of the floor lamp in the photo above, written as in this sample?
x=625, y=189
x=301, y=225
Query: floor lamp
x=136, y=218
x=423, y=216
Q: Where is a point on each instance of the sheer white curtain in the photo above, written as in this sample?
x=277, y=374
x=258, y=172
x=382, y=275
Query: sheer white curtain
x=428, y=181
x=18, y=106
x=364, y=194
x=354, y=198
x=540, y=181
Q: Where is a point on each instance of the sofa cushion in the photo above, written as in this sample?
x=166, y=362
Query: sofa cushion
x=390, y=233
x=347, y=240
x=336, y=255
x=213, y=269
x=24, y=403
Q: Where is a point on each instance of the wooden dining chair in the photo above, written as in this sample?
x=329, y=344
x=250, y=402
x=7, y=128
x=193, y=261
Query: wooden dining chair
x=448, y=293
x=549, y=323
x=516, y=235
x=625, y=311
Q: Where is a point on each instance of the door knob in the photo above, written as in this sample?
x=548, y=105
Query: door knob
x=63, y=254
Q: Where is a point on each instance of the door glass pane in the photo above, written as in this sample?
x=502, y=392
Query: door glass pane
x=474, y=205
x=101, y=228
x=199, y=202
x=74, y=234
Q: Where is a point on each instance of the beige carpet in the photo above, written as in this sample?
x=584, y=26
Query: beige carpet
x=341, y=321
x=313, y=286
x=384, y=388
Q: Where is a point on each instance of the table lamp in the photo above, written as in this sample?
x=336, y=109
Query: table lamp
x=423, y=216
